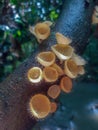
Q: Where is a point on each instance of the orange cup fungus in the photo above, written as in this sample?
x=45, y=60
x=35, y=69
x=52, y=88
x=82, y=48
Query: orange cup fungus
x=35, y=75
x=58, y=69
x=61, y=39
x=40, y=106
x=46, y=58
x=54, y=91
x=70, y=68
x=63, y=52
x=66, y=84
x=42, y=30
x=53, y=107
x=50, y=74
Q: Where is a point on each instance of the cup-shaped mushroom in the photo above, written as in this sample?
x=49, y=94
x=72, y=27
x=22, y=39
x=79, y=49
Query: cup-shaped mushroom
x=39, y=106
x=58, y=68
x=81, y=70
x=42, y=31
x=78, y=59
x=50, y=74
x=62, y=52
x=53, y=107
x=61, y=39
x=46, y=58
x=66, y=84
x=35, y=75
x=54, y=91
x=70, y=68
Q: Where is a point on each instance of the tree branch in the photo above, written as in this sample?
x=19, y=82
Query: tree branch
x=16, y=90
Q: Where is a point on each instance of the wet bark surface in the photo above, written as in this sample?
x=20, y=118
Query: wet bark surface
x=16, y=90
x=77, y=110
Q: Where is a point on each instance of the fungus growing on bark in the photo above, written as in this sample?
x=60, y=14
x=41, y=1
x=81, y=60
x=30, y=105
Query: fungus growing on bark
x=63, y=52
x=70, y=68
x=35, y=75
x=53, y=107
x=66, y=84
x=41, y=30
x=73, y=65
x=61, y=39
x=5, y=88
x=39, y=106
x=46, y=58
x=50, y=74
x=53, y=91
x=58, y=69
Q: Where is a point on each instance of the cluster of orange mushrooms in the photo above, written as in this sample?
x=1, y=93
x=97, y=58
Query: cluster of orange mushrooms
x=60, y=62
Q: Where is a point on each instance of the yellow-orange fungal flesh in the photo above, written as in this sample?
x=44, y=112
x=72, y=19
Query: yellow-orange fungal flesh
x=61, y=39
x=58, y=68
x=40, y=106
x=66, y=84
x=35, y=75
x=54, y=91
x=70, y=68
x=42, y=31
x=81, y=70
x=53, y=107
x=62, y=52
x=46, y=58
x=50, y=74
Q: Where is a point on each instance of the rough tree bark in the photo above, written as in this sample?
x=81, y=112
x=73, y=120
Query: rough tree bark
x=16, y=90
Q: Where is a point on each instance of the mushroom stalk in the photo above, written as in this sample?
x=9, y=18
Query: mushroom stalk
x=16, y=90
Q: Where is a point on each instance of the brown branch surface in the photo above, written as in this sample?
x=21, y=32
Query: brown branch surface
x=16, y=90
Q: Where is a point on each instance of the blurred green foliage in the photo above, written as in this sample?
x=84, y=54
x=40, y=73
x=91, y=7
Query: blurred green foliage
x=16, y=42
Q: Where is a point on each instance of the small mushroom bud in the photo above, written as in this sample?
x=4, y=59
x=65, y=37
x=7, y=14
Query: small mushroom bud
x=53, y=107
x=66, y=84
x=54, y=91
